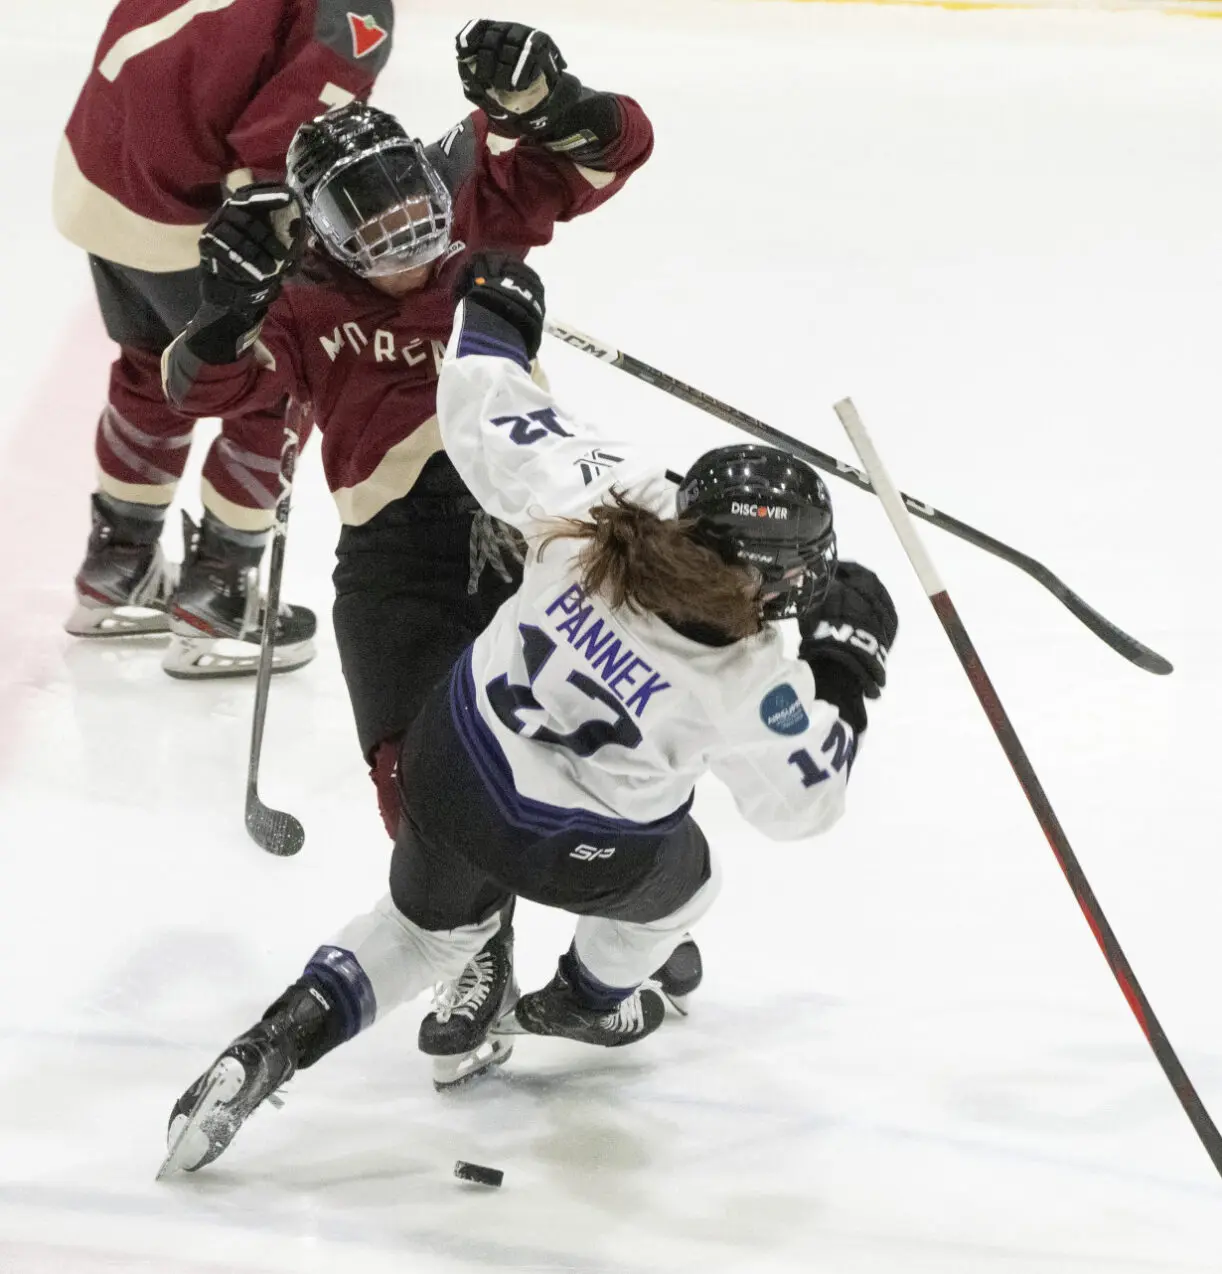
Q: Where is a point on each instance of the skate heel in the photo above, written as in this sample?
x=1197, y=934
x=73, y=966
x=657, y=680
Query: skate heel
x=680, y=975
x=124, y=584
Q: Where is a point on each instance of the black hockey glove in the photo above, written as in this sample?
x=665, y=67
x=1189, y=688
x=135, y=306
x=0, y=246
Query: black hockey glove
x=851, y=631
x=253, y=241
x=515, y=73
x=509, y=289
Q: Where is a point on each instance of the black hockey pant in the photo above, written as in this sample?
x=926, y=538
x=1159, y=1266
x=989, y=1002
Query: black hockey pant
x=457, y=859
x=414, y=586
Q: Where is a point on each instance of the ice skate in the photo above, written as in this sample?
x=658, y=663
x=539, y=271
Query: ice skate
x=556, y=1010
x=124, y=584
x=456, y=1033
x=206, y=1118
x=217, y=611
x=681, y=974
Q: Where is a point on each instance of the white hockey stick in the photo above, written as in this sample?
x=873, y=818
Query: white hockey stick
x=896, y=510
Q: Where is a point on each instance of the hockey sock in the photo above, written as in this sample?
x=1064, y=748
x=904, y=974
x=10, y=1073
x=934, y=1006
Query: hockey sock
x=225, y=541
x=133, y=523
x=399, y=958
x=340, y=988
x=587, y=988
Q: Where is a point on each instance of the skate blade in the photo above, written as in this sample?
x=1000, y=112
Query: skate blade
x=676, y=1002
x=90, y=619
x=452, y=1072
x=204, y=658
x=189, y=1145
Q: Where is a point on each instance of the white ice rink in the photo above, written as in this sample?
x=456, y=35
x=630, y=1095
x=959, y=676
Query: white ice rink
x=1001, y=233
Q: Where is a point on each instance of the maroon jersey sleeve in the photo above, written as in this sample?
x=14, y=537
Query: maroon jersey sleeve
x=518, y=190
x=185, y=96
x=262, y=379
x=334, y=51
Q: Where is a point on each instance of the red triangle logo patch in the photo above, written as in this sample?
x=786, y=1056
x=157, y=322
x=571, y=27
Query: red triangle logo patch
x=366, y=34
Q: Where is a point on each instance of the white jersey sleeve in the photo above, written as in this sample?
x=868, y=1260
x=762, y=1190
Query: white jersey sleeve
x=786, y=755
x=524, y=459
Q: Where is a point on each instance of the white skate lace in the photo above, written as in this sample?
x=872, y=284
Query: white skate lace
x=628, y=1017
x=467, y=992
x=157, y=583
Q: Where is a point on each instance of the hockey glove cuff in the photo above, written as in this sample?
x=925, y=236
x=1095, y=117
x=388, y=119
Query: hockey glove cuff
x=217, y=335
x=505, y=304
x=840, y=686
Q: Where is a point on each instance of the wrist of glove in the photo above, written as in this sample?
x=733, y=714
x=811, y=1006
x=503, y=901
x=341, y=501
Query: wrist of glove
x=852, y=629
x=515, y=74
x=217, y=335
x=253, y=242
x=505, y=302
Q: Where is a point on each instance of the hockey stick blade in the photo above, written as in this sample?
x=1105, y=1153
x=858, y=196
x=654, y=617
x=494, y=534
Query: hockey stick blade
x=1122, y=643
x=275, y=831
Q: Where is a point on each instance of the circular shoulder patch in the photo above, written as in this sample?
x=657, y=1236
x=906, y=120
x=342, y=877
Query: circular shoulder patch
x=782, y=712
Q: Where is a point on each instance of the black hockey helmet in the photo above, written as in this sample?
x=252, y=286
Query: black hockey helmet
x=369, y=192
x=769, y=511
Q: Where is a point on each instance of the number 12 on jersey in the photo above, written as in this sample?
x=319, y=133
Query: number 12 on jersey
x=837, y=750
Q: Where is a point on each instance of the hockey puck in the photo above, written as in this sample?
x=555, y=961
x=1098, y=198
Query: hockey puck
x=478, y=1173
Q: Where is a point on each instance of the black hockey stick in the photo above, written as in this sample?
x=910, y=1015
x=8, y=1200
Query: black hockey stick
x=895, y=505
x=273, y=830
x=1116, y=638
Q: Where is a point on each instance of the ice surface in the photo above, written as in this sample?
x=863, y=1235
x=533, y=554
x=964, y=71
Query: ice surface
x=1002, y=234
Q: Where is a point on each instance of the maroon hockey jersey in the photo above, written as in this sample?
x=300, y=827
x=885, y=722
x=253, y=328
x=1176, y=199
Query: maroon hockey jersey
x=186, y=96
x=368, y=363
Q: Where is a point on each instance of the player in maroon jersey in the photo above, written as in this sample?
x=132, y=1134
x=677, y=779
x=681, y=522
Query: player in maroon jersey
x=184, y=103
x=359, y=334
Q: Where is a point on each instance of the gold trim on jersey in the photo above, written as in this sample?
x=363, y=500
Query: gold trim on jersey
x=87, y=216
x=394, y=477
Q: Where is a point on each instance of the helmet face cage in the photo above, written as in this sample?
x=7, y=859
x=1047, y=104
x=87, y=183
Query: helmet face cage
x=792, y=575
x=381, y=210
x=769, y=512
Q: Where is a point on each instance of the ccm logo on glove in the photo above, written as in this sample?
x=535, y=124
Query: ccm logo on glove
x=848, y=635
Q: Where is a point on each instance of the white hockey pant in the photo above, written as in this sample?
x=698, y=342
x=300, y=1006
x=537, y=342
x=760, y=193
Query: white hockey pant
x=400, y=959
x=623, y=953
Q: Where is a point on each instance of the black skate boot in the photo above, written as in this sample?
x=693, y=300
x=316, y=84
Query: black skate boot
x=681, y=974
x=217, y=604
x=557, y=1010
x=124, y=584
x=206, y=1118
x=455, y=1033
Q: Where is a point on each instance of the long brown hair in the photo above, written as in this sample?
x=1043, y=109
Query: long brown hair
x=638, y=561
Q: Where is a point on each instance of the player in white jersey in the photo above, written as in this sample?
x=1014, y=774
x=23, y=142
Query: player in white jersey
x=640, y=652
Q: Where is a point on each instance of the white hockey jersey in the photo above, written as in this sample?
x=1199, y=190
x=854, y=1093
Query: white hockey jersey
x=577, y=715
